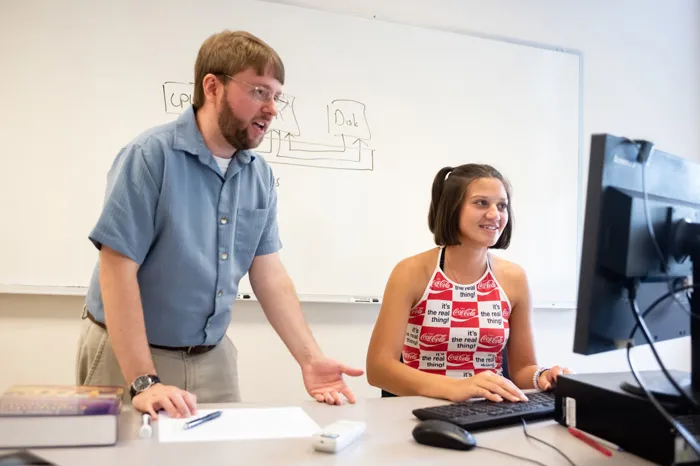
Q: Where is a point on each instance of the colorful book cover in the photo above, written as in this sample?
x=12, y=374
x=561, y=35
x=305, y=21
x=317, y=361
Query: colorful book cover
x=61, y=400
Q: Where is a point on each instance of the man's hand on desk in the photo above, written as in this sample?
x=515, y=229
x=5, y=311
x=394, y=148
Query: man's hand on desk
x=176, y=402
x=323, y=379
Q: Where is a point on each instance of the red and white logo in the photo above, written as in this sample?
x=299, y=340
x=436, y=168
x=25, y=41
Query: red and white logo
x=491, y=340
x=460, y=358
x=493, y=295
x=465, y=312
x=440, y=283
x=433, y=338
x=410, y=354
x=486, y=285
x=445, y=295
x=417, y=314
x=505, y=310
x=460, y=361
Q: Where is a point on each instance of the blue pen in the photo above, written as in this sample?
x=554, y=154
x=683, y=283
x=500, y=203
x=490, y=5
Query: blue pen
x=201, y=420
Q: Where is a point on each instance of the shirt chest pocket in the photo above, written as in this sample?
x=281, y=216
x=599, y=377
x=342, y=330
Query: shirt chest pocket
x=250, y=224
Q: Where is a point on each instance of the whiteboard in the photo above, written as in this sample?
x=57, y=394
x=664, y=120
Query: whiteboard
x=378, y=108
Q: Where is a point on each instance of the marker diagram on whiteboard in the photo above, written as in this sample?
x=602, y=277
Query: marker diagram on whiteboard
x=345, y=147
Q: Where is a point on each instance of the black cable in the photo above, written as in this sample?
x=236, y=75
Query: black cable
x=511, y=455
x=632, y=289
x=687, y=436
x=663, y=298
x=530, y=437
x=542, y=441
x=645, y=152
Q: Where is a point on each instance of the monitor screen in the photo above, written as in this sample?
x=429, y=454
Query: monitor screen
x=636, y=198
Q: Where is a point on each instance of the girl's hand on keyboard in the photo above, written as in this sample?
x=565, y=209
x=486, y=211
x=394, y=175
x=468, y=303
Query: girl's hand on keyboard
x=487, y=385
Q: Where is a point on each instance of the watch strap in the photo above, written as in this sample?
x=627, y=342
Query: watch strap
x=154, y=380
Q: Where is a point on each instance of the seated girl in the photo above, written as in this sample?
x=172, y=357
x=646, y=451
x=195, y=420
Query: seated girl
x=449, y=313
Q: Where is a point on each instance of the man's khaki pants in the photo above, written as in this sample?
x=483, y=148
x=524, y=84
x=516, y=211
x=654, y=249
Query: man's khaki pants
x=212, y=376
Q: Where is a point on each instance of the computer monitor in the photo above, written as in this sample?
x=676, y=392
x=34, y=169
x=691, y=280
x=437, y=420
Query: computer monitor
x=619, y=255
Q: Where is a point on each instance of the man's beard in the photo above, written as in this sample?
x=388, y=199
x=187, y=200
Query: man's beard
x=235, y=130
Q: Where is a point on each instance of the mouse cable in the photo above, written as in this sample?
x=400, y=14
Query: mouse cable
x=545, y=443
x=528, y=436
x=511, y=455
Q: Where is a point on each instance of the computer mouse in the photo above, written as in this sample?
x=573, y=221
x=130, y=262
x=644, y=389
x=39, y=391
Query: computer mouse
x=443, y=434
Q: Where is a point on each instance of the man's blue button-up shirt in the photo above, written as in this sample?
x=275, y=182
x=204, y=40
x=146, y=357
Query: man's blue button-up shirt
x=193, y=230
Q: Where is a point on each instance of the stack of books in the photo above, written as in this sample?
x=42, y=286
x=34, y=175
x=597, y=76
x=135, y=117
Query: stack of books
x=59, y=416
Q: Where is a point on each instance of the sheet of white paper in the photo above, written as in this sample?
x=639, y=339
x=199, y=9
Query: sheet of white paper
x=239, y=424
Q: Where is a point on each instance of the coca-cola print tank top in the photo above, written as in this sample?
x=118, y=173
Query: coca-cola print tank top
x=458, y=330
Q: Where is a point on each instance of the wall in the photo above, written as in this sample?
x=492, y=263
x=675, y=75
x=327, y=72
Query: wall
x=641, y=79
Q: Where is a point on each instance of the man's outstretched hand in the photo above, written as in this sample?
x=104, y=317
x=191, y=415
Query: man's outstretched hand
x=323, y=379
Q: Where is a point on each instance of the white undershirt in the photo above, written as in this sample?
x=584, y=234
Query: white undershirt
x=222, y=163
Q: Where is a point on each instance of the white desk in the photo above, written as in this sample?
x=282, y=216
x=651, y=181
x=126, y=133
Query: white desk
x=387, y=440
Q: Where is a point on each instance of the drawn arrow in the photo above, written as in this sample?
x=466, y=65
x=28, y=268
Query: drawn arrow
x=320, y=147
x=359, y=143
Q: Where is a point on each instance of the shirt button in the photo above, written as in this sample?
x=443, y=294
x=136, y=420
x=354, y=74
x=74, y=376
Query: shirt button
x=220, y=293
x=224, y=220
x=224, y=256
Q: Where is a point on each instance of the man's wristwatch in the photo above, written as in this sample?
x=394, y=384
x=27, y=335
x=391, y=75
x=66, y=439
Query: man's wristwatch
x=143, y=382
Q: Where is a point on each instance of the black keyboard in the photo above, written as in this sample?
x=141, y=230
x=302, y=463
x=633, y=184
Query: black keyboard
x=483, y=414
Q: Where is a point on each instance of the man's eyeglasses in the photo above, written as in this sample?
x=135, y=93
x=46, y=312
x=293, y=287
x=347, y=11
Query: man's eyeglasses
x=263, y=95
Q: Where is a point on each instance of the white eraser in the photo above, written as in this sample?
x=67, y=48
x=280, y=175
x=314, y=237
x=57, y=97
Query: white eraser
x=145, y=430
x=338, y=435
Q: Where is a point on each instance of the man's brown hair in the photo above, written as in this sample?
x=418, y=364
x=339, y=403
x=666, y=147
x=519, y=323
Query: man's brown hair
x=229, y=53
x=449, y=189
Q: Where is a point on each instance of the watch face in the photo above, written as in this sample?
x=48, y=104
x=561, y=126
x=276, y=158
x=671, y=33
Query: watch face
x=142, y=382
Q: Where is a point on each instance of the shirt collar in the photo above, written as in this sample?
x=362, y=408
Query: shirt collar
x=189, y=139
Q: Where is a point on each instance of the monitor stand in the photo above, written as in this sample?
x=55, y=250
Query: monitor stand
x=685, y=242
